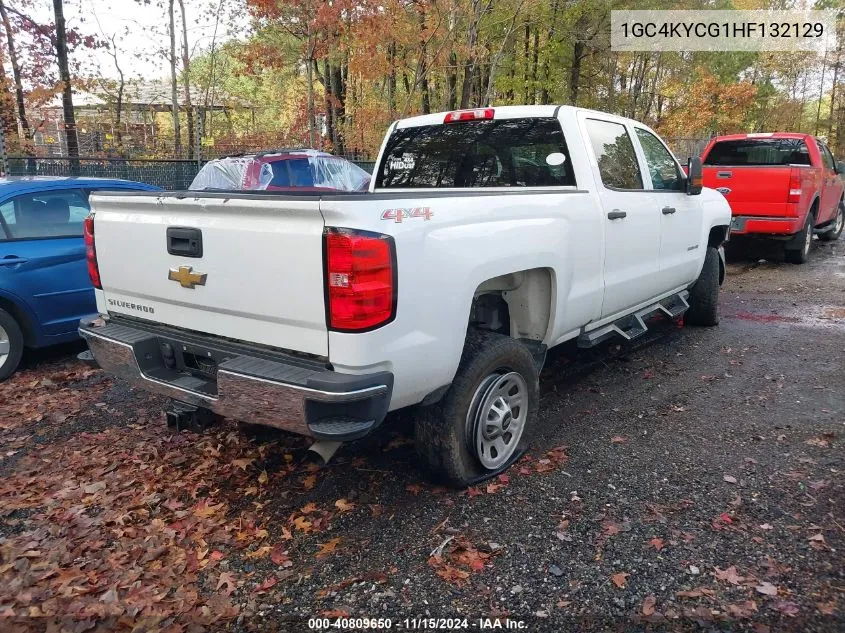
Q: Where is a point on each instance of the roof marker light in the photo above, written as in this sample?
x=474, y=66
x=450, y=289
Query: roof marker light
x=468, y=115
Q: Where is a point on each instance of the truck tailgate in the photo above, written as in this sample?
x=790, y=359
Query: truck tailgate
x=760, y=191
x=261, y=257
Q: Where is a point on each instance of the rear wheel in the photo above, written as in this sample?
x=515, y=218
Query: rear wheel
x=704, y=295
x=486, y=419
x=804, y=240
x=838, y=225
x=11, y=344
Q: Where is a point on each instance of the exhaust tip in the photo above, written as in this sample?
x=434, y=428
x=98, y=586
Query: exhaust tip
x=324, y=450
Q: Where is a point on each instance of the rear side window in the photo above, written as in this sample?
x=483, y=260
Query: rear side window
x=45, y=214
x=759, y=152
x=488, y=153
x=614, y=152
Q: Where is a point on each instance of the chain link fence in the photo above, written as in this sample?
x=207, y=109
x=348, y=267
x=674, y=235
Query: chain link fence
x=177, y=174
x=171, y=174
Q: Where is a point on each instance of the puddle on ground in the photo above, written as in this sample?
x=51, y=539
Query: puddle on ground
x=825, y=316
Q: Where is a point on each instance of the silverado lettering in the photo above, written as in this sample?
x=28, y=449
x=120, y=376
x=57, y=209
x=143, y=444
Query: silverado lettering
x=117, y=303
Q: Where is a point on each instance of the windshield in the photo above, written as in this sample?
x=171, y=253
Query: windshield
x=759, y=151
x=488, y=153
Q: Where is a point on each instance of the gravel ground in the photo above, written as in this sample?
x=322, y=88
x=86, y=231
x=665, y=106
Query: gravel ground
x=692, y=481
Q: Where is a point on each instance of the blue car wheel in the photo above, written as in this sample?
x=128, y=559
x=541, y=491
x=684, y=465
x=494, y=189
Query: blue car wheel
x=11, y=344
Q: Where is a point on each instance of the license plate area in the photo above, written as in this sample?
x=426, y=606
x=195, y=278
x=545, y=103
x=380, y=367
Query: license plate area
x=182, y=365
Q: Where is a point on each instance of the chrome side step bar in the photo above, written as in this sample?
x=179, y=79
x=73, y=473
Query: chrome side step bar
x=633, y=325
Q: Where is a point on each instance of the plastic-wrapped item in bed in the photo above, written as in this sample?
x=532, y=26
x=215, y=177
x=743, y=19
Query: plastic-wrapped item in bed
x=286, y=170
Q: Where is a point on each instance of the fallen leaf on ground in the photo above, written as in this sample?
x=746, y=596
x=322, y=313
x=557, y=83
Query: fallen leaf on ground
x=452, y=574
x=619, y=579
x=742, y=610
x=729, y=478
x=648, y=605
x=414, y=489
x=618, y=439
x=227, y=581
x=786, y=607
x=328, y=548
x=767, y=589
x=243, y=463
x=823, y=440
x=695, y=593
x=343, y=505
x=656, y=543
x=263, y=478
x=729, y=575
x=309, y=482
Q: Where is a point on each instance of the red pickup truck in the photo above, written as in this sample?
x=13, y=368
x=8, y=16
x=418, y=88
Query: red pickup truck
x=780, y=185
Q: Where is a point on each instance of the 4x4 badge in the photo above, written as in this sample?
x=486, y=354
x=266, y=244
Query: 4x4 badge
x=186, y=277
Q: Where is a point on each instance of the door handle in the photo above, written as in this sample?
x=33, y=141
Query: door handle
x=11, y=260
x=668, y=210
x=616, y=214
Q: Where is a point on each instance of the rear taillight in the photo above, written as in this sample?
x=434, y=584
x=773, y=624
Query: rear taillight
x=468, y=115
x=794, y=185
x=360, y=279
x=90, y=251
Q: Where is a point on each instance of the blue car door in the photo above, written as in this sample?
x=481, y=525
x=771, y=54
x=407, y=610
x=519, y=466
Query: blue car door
x=42, y=259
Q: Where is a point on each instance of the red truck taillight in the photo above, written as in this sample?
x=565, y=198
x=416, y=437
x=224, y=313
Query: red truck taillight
x=360, y=279
x=90, y=252
x=794, y=185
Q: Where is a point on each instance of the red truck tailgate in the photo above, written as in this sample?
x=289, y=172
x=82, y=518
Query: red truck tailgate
x=752, y=190
x=761, y=175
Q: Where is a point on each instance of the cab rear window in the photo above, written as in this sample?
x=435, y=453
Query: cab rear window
x=484, y=153
x=759, y=152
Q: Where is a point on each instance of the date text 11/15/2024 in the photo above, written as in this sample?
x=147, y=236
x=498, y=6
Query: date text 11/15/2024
x=416, y=624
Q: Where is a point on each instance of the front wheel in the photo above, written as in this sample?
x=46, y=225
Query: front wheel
x=486, y=419
x=838, y=225
x=704, y=295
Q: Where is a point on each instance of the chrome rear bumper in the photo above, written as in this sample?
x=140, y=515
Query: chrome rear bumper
x=287, y=394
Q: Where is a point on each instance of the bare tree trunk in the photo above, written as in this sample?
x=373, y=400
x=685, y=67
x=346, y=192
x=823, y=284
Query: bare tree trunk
x=67, y=92
x=186, y=81
x=550, y=34
x=174, y=94
x=309, y=78
x=534, y=56
x=16, y=75
x=472, y=40
x=833, y=97
x=391, y=80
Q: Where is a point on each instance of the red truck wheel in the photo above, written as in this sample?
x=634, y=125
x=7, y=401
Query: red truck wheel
x=838, y=224
x=805, y=239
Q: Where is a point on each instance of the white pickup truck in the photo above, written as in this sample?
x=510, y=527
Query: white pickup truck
x=486, y=237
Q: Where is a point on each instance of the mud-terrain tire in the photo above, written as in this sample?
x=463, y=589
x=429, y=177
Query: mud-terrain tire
x=497, y=374
x=805, y=239
x=704, y=294
x=838, y=224
x=11, y=344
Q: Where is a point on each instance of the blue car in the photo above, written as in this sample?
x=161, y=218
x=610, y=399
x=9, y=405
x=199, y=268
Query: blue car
x=44, y=284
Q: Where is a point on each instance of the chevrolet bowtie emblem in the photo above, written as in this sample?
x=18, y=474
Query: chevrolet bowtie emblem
x=186, y=276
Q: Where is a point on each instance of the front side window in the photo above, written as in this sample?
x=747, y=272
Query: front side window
x=45, y=214
x=665, y=175
x=527, y=152
x=615, y=154
x=827, y=157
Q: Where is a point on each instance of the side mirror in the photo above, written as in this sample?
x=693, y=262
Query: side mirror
x=840, y=167
x=694, y=176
